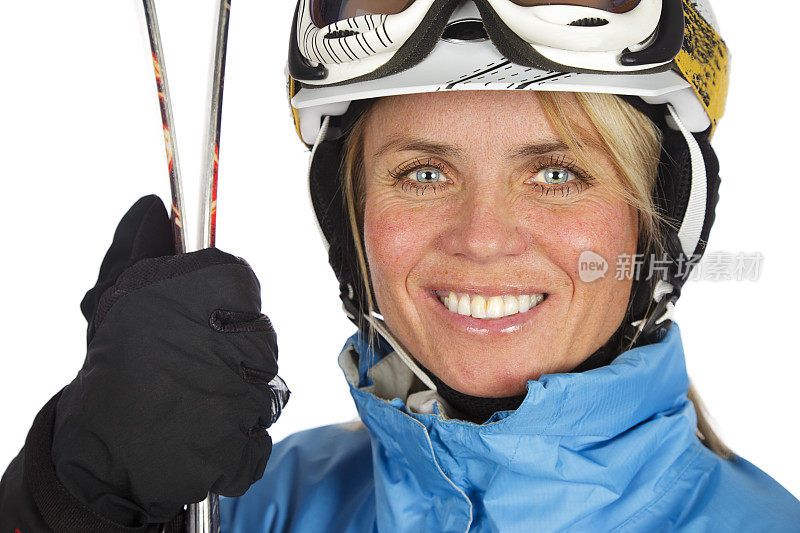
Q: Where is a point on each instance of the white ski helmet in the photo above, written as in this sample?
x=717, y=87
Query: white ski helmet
x=665, y=57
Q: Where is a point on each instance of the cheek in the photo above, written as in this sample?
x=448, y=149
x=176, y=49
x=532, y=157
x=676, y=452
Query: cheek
x=607, y=229
x=394, y=241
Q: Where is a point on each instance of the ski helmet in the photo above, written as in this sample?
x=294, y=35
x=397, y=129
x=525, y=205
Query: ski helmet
x=665, y=57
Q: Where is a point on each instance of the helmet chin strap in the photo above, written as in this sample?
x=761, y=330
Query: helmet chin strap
x=351, y=309
x=376, y=320
x=664, y=309
x=664, y=294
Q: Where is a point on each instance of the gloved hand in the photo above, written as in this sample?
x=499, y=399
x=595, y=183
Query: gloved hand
x=173, y=400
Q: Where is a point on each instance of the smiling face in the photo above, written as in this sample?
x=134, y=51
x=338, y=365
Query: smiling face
x=476, y=209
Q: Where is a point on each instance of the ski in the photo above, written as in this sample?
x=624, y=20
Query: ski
x=209, y=204
x=202, y=517
x=168, y=123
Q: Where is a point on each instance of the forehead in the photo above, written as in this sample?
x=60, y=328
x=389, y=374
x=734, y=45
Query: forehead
x=467, y=118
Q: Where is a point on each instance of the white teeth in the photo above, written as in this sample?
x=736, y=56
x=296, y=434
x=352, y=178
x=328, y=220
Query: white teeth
x=495, y=307
x=478, y=306
x=511, y=305
x=463, y=305
x=489, y=307
x=524, y=303
x=452, y=302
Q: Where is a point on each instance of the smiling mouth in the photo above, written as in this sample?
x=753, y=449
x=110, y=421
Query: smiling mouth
x=489, y=307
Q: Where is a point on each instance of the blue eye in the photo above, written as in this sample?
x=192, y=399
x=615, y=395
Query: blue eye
x=555, y=176
x=428, y=175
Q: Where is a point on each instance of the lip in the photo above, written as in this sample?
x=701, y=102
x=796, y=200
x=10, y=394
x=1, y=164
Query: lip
x=488, y=292
x=481, y=326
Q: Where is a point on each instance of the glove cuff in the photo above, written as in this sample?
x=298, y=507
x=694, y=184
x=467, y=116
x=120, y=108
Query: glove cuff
x=60, y=510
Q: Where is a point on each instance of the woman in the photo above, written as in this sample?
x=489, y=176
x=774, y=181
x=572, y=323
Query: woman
x=505, y=385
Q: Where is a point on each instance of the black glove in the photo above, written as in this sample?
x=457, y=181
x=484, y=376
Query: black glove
x=173, y=400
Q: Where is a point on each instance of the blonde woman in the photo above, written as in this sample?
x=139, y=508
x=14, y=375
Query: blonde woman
x=511, y=236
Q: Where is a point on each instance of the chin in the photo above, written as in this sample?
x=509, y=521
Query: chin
x=490, y=375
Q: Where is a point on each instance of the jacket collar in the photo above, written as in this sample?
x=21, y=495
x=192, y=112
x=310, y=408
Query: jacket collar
x=606, y=437
x=638, y=384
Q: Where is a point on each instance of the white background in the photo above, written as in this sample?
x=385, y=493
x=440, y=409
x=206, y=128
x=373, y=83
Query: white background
x=80, y=140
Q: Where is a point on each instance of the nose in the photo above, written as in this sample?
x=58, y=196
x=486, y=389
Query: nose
x=485, y=231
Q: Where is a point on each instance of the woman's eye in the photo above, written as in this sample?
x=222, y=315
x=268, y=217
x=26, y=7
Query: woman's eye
x=428, y=175
x=554, y=176
x=421, y=177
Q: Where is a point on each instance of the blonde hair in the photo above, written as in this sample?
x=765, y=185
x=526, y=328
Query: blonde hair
x=631, y=140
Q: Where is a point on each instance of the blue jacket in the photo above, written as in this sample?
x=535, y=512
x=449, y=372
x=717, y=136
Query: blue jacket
x=610, y=449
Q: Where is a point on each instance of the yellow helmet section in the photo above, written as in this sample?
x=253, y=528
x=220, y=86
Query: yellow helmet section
x=292, y=87
x=704, y=62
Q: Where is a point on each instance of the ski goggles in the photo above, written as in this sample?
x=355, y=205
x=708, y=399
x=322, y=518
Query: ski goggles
x=327, y=12
x=337, y=41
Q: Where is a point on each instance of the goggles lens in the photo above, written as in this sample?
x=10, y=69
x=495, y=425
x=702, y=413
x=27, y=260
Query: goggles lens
x=326, y=12
x=612, y=6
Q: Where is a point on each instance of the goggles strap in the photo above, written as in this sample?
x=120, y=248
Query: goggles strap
x=695, y=215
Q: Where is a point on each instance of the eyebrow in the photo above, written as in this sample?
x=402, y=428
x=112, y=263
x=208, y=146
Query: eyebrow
x=414, y=144
x=536, y=149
